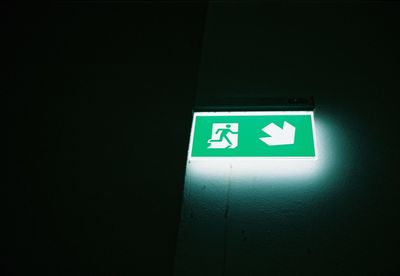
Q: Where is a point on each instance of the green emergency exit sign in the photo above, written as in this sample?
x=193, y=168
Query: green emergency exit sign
x=253, y=134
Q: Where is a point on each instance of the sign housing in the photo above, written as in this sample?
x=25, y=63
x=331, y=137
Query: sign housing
x=253, y=134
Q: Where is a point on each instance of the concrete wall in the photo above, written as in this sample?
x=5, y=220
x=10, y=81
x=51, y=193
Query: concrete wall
x=334, y=216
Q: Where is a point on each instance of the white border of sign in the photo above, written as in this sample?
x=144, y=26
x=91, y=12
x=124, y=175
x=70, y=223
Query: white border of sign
x=251, y=113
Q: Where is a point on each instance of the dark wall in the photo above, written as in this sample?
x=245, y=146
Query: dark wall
x=99, y=120
x=99, y=123
x=346, y=56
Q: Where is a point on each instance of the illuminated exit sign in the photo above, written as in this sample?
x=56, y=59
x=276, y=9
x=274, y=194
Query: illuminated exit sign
x=288, y=134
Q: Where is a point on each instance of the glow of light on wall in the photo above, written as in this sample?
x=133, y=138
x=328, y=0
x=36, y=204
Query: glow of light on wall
x=273, y=171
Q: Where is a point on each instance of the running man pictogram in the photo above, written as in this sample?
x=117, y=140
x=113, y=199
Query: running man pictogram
x=224, y=135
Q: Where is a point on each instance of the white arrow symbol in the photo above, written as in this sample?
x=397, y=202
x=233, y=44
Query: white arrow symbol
x=279, y=136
